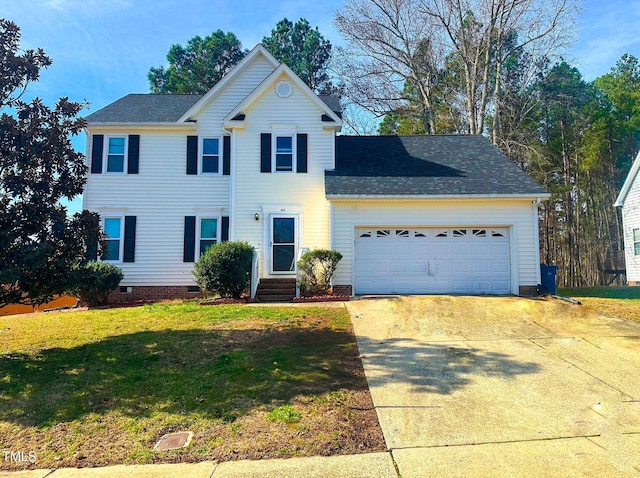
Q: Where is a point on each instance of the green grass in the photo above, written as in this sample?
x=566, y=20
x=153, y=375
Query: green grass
x=284, y=414
x=602, y=292
x=77, y=379
x=617, y=301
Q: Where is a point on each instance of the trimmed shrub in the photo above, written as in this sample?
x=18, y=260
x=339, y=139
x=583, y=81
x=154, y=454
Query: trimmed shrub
x=316, y=269
x=225, y=269
x=96, y=280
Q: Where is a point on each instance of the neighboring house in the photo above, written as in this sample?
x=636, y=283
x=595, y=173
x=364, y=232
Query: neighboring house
x=629, y=201
x=258, y=158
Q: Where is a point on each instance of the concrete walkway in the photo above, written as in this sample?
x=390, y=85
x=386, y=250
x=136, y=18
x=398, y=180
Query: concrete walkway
x=374, y=465
x=502, y=387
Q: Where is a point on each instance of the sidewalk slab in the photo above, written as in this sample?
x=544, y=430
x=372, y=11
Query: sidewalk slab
x=180, y=470
x=25, y=474
x=370, y=465
x=565, y=458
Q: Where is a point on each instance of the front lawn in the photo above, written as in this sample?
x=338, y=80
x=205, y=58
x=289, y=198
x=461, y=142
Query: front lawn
x=618, y=301
x=101, y=387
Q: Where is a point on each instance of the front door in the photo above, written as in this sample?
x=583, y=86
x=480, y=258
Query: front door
x=283, y=244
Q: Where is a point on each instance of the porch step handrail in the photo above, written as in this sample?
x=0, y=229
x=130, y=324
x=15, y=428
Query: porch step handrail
x=255, y=279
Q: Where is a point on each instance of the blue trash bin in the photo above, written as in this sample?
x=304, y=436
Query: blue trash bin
x=548, y=277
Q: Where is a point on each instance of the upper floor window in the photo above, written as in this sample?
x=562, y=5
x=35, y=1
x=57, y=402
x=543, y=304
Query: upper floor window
x=636, y=242
x=113, y=231
x=115, y=154
x=284, y=153
x=210, y=156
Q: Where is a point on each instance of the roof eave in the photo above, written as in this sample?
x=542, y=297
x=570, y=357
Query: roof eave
x=532, y=196
x=628, y=182
x=189, y=126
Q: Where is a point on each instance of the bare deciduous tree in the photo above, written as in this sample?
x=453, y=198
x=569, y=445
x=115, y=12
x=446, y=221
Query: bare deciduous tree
x=480, y=33
x=389, y=47
x=401, y=50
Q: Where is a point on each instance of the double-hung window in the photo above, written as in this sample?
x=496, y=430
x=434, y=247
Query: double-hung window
x=116, y=158
x=210, y=163
x=284, y=153
x=113, y=237
x=636, y=242
x=208, y=233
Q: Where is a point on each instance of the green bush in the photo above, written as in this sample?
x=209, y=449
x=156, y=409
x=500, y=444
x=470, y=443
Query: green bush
x=225, y=269
x=96, y=280
x=315, y=270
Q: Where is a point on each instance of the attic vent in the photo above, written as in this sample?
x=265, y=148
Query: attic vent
x=284, y=89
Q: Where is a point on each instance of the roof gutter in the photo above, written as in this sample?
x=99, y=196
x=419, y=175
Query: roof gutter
x=347, y=197
x=188, y=126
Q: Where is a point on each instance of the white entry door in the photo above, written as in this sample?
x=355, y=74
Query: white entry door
x=283, y=244
x=464, y=260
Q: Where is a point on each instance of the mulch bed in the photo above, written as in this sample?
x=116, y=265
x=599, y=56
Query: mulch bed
x=321, y=298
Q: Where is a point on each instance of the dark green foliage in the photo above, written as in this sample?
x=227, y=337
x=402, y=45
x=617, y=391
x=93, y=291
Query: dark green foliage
x=95, y=281
x=198, y=66
x=225, y=269
x=316, y=268
x=304, y=50
x=39, y=245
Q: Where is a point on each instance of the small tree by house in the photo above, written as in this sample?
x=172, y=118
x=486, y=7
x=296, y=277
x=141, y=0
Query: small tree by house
x=225, y=269
x=95, y=281
x=316, y=269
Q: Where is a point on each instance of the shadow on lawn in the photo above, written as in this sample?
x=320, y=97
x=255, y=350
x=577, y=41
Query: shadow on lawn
x=219, y=373
x=215, y=373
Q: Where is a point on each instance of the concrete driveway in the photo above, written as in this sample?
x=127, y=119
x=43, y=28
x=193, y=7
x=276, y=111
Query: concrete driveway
x=502, y=386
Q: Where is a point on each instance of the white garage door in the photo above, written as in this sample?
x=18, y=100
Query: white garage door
x=432, y=261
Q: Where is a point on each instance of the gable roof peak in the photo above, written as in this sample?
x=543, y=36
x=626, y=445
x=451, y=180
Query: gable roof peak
x=628, y=182
x=249, y=57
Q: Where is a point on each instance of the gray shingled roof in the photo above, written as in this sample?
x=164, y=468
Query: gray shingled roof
x=144, y=108
x=152, y=108
x=424, y=165
x=333, y=102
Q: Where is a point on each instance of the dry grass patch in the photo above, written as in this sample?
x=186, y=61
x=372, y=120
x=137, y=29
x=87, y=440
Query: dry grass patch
x=617, y=301
x=101, y=387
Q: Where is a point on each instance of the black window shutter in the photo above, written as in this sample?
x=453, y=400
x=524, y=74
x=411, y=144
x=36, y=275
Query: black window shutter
x=226, y=155
x=96, y=153
x=129, y=239
x=133, y=154
x=301, y=161
x=225, y=229
x=265, y=153
x=192, y=155
x=189, y=254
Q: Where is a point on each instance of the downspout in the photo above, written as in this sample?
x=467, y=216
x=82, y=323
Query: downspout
x=232, y=186
x=536, y=234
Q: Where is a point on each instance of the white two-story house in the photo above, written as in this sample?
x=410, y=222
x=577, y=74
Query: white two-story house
x=258, y=158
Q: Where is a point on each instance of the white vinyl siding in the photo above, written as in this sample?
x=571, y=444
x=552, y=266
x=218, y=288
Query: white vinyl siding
x=301, y=194
x=631, y=220
x=163, y=194
x=160, y=196
x=516, y=216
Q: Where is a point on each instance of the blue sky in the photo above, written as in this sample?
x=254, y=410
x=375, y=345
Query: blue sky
x=102, y=49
